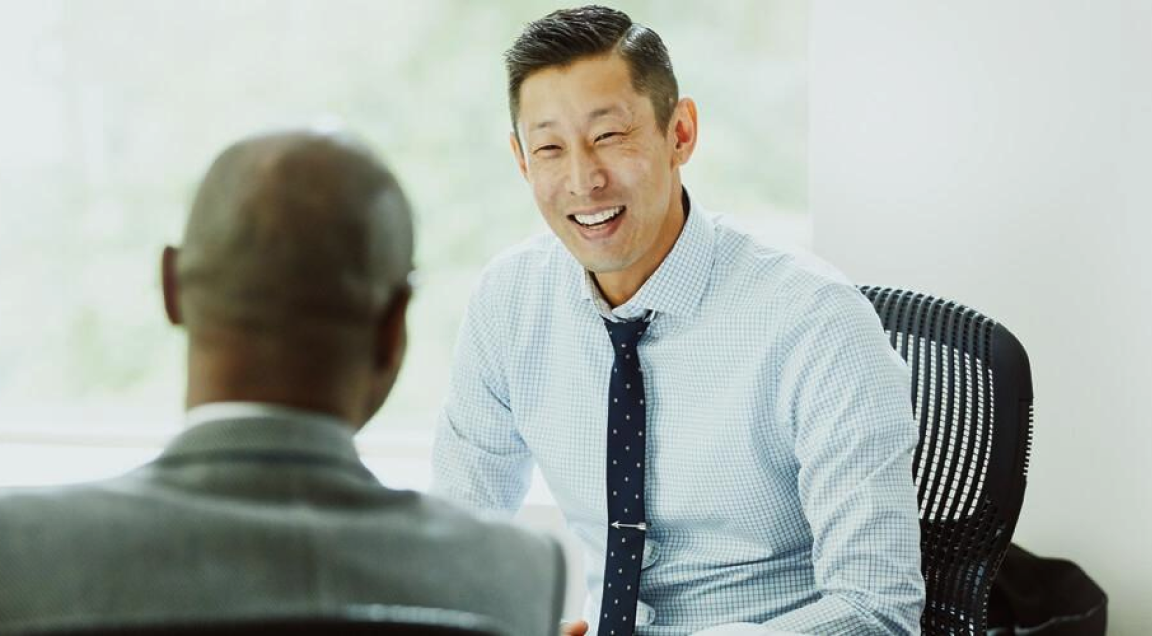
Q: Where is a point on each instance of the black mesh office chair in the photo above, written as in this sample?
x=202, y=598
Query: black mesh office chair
x=362, y=620
x=972, y=395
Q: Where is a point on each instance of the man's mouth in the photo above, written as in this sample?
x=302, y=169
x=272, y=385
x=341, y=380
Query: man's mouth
x=597, y=219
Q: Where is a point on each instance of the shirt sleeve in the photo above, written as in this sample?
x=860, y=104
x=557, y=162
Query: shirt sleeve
x=846, y=391
x=478, y=457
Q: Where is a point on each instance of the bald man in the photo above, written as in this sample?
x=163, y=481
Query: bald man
x=291, y=285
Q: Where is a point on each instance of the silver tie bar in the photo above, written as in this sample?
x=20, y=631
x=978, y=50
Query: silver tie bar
x=642, y=527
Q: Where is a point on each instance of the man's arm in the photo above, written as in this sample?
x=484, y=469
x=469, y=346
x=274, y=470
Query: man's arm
x=478, y=458
x=847, y=391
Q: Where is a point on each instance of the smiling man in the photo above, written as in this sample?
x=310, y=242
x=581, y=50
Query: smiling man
x=725, y=428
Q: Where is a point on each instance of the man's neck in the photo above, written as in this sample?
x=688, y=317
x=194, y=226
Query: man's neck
x=619, y=287
x=227, y=378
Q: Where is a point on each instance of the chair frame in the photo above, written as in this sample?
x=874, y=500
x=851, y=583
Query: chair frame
x=972, y=396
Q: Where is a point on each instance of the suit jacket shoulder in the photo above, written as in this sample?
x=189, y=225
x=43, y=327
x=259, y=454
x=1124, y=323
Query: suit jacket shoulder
x=251, y=532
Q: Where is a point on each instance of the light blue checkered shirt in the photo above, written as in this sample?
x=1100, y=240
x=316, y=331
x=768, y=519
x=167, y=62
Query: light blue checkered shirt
x=780, y=432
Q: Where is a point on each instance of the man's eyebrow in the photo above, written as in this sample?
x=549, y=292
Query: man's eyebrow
x=605, y=111
x=592, y=116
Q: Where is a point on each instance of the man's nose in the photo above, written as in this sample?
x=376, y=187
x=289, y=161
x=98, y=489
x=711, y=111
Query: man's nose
x=585, y=173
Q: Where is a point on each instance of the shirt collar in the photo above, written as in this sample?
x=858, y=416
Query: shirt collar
x=254, y=410
x=677, y=284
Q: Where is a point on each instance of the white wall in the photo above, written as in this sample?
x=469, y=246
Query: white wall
x=1000, y=153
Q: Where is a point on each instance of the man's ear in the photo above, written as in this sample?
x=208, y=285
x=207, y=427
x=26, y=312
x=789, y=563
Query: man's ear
x=683, y=131
x=391, y=334
x=170, y=285
x=518, y=152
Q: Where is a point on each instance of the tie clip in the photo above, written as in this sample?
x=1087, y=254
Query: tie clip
x=642, y=527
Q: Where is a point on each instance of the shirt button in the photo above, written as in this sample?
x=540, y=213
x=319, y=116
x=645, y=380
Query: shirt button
x=644, y=613
x=651, y=553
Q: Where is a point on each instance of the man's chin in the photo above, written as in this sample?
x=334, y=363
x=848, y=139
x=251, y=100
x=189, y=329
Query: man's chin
x=600, y=265
x=598, y=261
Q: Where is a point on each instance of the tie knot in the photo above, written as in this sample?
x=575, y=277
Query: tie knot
x=626, y=333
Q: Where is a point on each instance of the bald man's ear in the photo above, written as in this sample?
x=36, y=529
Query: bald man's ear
x=170, y=285
x=518, y=152
x=391, y=332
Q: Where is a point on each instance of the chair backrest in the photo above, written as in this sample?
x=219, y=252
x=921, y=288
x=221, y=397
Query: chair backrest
x=358, y=620
x=972, y=395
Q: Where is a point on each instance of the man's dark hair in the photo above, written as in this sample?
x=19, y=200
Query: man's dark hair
x=569, y=35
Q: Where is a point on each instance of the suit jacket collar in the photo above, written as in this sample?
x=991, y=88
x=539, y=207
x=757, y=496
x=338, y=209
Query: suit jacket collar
x=280, y=438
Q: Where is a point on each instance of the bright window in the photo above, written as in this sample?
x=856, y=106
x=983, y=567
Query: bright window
x=112, y=110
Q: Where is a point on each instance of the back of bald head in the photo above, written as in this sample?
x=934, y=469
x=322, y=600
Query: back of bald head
x=293, y=233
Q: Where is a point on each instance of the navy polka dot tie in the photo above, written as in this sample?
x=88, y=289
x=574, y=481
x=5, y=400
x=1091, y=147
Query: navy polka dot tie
x=624, y=553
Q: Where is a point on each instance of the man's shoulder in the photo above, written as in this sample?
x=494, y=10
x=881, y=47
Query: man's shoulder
x=42, y=521
x=43, y=501
x=431, y=549
x=522, y=559
x=512, y=566
x=536, y=258
x=486, y=531
x=55, y=509
x=771, y=277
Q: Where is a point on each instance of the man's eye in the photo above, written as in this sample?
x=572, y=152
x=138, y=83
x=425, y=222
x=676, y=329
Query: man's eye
x=546, y=150
x=606, y=136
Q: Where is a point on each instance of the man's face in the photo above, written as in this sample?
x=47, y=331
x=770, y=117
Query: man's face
x=603, y=173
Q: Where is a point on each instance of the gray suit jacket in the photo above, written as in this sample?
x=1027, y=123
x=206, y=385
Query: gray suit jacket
x=261, y=516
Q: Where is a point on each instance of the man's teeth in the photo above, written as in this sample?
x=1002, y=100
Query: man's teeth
x=599, y=217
